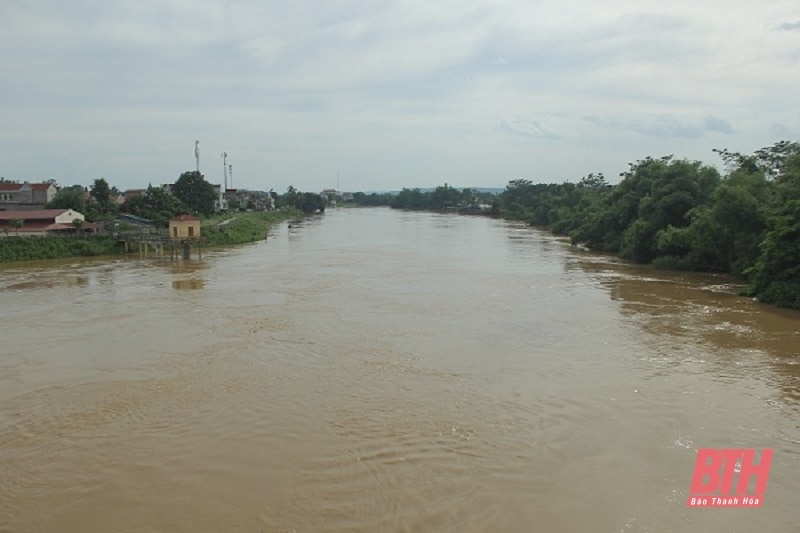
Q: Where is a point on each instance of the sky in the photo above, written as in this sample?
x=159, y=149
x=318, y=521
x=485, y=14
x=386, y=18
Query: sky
x=384, y=94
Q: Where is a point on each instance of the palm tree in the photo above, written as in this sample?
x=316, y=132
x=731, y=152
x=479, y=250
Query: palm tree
x=17, y=223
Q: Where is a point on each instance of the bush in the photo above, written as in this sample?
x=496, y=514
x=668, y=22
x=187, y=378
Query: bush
x=781, y=293
x=34, y=248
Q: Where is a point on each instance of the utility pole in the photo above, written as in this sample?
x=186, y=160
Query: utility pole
x=197, y=154
x=225, y=168
x=230, y=173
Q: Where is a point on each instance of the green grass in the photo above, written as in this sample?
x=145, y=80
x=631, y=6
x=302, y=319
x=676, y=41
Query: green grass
x=34, y=248
x=243, y=227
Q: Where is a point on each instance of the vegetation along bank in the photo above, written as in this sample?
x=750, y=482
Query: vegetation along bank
x=674, y=214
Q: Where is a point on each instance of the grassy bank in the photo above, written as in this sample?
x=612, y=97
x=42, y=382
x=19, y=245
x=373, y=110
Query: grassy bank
x=242, y=228
x=34, y=248
x=223, y=230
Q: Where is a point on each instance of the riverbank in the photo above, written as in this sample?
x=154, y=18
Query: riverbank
x=242, y=228
x=14, y=249
x=226, y=230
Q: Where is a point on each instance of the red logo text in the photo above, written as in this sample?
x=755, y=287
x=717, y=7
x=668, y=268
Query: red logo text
x=722, y=478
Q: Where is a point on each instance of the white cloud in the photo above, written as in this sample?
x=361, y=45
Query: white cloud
x=789, y=26
x=527, y=128
x=665, y=126
x=407, y=90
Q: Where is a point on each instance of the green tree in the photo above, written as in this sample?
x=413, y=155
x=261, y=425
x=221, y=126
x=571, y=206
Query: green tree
x=17, y=223
x=443, y=197
x=309, y=202
x=410, y=199
x=155, y=204
x=101, y=192
x=776, y=274
x=289, y=198
x=372, y=199
x=195, y=192
x=69, y=198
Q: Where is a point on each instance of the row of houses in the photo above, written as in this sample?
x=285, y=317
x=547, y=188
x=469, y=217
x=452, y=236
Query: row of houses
x=48, y=222
x=36, y=196
x=224, y=199
x=246, y=199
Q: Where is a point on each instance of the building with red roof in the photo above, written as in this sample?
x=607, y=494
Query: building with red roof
x=16, y=196
x=38, y=222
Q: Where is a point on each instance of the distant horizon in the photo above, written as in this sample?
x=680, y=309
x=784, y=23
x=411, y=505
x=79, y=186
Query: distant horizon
x=377, y=191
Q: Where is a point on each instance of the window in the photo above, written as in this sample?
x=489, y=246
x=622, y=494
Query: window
x=174, y=231
x=191, y=231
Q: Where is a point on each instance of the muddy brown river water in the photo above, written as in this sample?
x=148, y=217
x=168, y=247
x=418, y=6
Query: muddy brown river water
x=372, y=370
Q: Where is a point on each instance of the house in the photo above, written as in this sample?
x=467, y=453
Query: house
x=234, y=198
x=184, y=227
x=28, y=196
x=250, y=200
x=39, y=222
x=329, y=194
x=220, y=204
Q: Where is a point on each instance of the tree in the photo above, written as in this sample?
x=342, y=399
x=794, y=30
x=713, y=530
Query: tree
x=195, y=192
x=443, y=197
x=101, y=192
x=776, y=274
x=289, y=198
x=69, y=198
x=410, y=199
x=17, y=223
x=156, y=205
x=77, y=224
x=309, y=202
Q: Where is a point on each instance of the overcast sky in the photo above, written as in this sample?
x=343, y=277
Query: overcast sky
x=388, y=94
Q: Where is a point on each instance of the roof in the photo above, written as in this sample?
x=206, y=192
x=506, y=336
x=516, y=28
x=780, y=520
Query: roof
x=181, y=218
x=135, y=218
x=32, y=214
x=18, y=186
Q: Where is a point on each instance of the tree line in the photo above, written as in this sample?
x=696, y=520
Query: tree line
x=442, y=198
x=681, y=214
x=672, y=213
x=191, y=194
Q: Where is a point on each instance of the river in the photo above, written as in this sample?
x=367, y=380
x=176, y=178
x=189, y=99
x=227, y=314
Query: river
x=373, y=370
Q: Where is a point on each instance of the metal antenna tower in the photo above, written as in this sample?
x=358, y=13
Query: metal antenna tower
x=225, y=168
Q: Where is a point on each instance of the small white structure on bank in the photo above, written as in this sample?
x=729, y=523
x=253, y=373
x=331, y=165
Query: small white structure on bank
x=38, y=222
